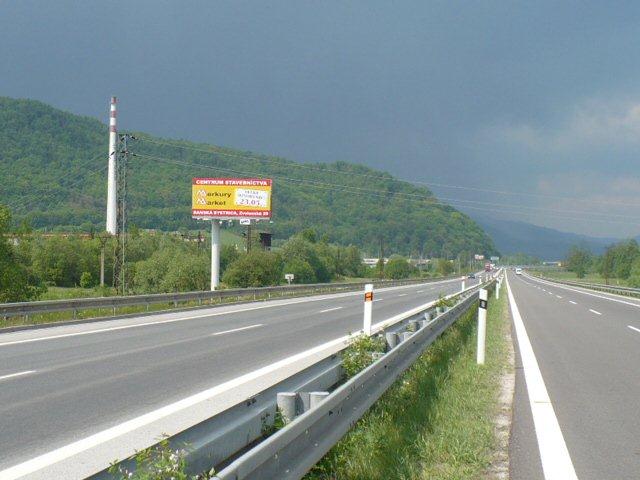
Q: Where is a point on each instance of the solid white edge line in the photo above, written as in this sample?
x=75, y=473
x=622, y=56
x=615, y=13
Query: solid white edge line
x=204, y=315
x=571, y=301
x=19, y=374
x=594, y=311
x=554, y=455
x=634, y=328
x=38, y=463
x=330, y=309
x=237, y=329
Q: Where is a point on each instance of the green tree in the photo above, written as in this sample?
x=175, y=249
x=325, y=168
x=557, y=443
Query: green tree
x=398, y=267
x=578, y=261
x=302, y=271
x=444, y=267
x=16, y=283
x=86, y=280
x=254, y=269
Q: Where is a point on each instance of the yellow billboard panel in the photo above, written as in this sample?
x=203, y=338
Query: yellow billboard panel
x=228, y=198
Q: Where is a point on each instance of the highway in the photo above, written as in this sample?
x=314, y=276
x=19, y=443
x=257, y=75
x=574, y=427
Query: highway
x=587, y=346
x=63, y=384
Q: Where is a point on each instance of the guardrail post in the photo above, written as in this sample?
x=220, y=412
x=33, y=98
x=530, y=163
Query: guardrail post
x=414, y=325
x=316, y=398
x=406, y=335
x=482, y=325
x=392, y=339
x=286, y=402
x=368, y=308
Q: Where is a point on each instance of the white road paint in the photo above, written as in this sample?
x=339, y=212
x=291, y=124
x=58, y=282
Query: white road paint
x=378, y=299
x=330, y=309
x=558, y=296
x=19, y=374
x=193, y=317
x=634, y=328
x=237, y=329
x=420, y=291
x=402, y=294
x=571, y=301
x=594, y=311
x=554, y=455
x=35, y=464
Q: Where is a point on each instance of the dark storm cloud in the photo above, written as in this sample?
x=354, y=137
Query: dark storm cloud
x=528, y=97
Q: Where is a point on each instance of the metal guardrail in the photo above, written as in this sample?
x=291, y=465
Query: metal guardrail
x=220, y=438
x=25, y=309
x=618, y=290
x=293, y=450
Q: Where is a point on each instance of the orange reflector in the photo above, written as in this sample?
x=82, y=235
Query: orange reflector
x=368, y=297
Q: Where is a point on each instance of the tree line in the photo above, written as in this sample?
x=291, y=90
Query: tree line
x=620, y=262
x=31, y=262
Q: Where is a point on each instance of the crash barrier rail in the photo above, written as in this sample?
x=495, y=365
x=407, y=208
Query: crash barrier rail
x=25, y=309
x=618, y=290
x=294, y=449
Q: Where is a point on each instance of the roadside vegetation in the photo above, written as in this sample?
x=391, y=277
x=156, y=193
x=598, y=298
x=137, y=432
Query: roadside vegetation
x=618, y=265
x=38, y=266
x=437, y=420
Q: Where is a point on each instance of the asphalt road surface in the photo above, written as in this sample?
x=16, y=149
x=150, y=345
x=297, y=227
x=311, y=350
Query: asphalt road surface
x=587, y=346
x=59, y=385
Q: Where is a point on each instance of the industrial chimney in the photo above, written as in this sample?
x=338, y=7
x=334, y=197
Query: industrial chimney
x=112, y=207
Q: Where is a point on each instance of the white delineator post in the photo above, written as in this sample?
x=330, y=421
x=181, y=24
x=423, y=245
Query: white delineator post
x=482, y=325
x=368, y=308
x=112, y=199
x=215, y=254
x=462, y=289
x=498, y=285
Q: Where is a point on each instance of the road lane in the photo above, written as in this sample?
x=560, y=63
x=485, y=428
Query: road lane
x=86, y=383
x=589, y=364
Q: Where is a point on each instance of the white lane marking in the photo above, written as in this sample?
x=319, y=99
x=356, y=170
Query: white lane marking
x=634, y=328
x=594, y=311
x=558, y=296
x=402, y=295
x=330, y=309
x=420, y=291
x=193, y=317
x=571, y=301
x=38, y=463
x=237, y=329
x=19, y=374
x=378, y=299
x=554, y=455
x=586, y=293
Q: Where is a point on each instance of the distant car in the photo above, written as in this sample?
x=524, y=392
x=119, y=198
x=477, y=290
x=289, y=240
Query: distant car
x=472, y=275
x=518, y=271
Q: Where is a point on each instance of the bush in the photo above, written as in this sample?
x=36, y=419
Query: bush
x=398, y=267
x=302, y=271
x=86, y=280
x=254, y=269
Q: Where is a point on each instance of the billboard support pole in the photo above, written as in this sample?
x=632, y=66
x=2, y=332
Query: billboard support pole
x=215, y=254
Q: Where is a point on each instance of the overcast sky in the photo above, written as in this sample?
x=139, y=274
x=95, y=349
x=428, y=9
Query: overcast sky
x=538, y=98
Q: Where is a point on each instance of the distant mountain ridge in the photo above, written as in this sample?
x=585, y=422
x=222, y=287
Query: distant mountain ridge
x=52, y=172
x=545, y=243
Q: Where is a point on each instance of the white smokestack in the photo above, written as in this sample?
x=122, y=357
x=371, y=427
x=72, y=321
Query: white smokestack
x=112, y=207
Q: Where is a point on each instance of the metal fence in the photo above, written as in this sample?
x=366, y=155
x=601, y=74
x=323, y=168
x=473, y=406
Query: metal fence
x=294, y=449
x=26, y=309
x=618, y=290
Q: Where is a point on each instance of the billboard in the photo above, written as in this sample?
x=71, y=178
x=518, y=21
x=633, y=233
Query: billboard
x=478, y=257
x=231, y=198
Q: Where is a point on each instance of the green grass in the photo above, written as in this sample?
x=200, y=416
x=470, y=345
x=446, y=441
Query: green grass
x=436, y=422
x=588, y=278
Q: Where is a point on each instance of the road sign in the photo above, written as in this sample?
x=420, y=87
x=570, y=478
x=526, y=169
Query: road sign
x=228, y=198
x=289, y=277
x=245, y=221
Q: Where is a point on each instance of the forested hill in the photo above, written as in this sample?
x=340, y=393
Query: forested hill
x=53, y=174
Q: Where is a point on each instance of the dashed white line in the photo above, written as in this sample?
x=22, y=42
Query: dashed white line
x=634, y=328
x=378, y=299
x=571, y=301
x=594, y=311
x=238, y=329
x=18, y=374
x=554, y=455
x=558, y=296
x=402, y=294
x=420, y=291
x=330, y=309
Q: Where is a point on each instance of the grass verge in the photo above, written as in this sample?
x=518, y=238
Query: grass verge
x=437, y=420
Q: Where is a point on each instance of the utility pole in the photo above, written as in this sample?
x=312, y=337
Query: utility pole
x=119, y=280
x=103, y=240
x=249, y=228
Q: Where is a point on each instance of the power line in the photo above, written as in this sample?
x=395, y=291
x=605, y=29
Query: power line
x=450, y=200
x=287, y=163
x=428, y=200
